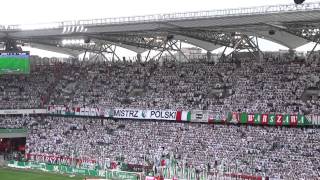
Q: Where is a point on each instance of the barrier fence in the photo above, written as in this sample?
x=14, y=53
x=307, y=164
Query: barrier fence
x=168, y=173
x=64, y=169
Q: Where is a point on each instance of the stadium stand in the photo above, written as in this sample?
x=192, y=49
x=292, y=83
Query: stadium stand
x=273, y=85
x=267, y=151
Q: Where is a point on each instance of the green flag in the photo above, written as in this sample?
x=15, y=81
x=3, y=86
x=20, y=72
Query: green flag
x=286, y=120
x=257, y=119
x=244, y=118
x=229, y=117
x=272, y=119
x=303, y=121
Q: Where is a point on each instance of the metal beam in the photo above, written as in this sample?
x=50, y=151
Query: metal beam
x=311, y=52
x=217, y=38
x=147, y=40
x=180, y=52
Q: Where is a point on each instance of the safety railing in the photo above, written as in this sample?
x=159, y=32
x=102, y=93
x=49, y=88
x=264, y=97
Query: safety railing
x=13, y=130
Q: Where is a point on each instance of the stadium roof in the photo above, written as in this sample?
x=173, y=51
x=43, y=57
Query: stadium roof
x=289, y=25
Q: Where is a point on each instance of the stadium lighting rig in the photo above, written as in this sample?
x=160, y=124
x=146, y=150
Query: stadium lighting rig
x=73, y=41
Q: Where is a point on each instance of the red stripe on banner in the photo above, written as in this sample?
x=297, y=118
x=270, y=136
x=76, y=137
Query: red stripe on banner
x=264, y=119
x=250, y=118
x=279, y=120
x=293, y=120
x=178, y=116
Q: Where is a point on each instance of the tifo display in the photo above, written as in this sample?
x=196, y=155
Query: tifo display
x=14, y=63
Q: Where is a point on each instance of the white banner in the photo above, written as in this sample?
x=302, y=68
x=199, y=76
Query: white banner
x=128, y=113
x=104, y=112
x=22, y=111
x=144, y=114
x=161, y=114
x=315, y=119
x=77, y=111
x=115, y=113
x=199, y=116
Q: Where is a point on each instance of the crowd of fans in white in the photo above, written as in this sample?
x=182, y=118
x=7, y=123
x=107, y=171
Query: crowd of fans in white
x=267, y=151
x=270, y=86
x=273, y=85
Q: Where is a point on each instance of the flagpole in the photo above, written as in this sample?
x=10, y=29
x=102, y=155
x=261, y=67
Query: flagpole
x=144, y=159
x=183, y=164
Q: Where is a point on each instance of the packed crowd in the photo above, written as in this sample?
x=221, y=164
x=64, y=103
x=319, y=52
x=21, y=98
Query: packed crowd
x=267, y=151
x=271, y=85
x=26, y=91
x=187, y=85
